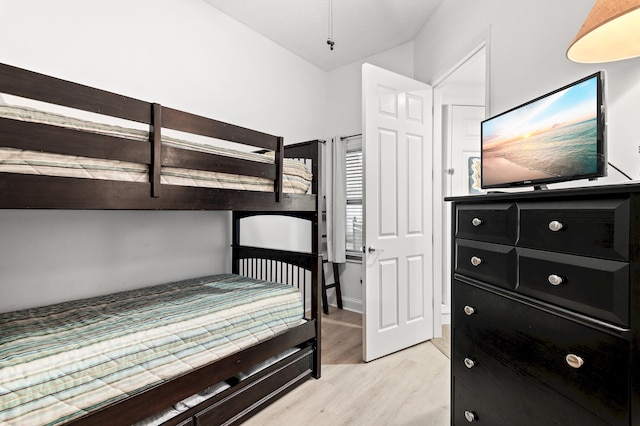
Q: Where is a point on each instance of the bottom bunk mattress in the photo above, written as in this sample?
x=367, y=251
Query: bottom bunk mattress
x=59, y=362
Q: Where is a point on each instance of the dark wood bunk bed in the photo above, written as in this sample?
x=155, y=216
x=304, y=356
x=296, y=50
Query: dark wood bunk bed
x=30, y=191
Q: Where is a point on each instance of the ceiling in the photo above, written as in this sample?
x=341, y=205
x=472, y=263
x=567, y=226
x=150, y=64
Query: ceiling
x=361, y=28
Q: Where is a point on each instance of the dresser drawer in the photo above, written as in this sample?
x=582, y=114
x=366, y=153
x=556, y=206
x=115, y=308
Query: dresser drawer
x=492, y=263
x=536, y=343
x=495, y=395
x=597, y=228
x=594, y=287
x=494, y=223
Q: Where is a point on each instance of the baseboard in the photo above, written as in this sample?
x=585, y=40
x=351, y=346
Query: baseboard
x=356, y=305
x=446, y=314
x=353, y=305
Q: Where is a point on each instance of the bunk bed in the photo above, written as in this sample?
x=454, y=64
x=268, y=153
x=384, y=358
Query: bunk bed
x=50, y=161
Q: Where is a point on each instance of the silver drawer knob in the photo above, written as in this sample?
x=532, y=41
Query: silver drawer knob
x=469, y=363
x=476, y=221
x=470, y=416
x=574, y=361
x=475, y=261
x=555, y=226
x=555, y=279
x=469, y=310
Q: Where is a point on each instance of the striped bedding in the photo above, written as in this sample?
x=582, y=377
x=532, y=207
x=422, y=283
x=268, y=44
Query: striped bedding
x=61, y=361
x=297, y=177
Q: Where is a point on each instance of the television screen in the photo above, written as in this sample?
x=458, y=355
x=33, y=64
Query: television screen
x=554, y=138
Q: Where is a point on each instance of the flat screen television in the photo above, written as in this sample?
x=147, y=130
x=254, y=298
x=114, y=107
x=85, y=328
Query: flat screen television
x=557, y=137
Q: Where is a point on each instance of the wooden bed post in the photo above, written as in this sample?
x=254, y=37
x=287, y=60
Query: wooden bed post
x=156, y=150
x=235, y=242
x=316, y=307
x=279, y=159
x=316, y=240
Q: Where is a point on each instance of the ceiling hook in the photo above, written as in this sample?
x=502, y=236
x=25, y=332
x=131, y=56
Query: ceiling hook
x=330, y=41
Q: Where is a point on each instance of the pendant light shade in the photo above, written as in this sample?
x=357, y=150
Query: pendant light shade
x=611, y=32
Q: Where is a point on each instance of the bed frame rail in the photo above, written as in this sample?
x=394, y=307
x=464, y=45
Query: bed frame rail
x=32, y=85
x=311, y=151
x=186, y=122
x=303, y=270
x=153, y=400
x=54, y=139
x=286, y=267
x=23, y=135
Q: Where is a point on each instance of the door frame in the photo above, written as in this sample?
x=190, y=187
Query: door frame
x=441, y=222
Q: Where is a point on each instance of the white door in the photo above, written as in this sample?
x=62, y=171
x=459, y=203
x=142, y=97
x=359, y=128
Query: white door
x=397, y=146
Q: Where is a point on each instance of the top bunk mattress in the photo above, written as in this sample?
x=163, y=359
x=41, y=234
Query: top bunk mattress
x=61, y=361
x=296, y=174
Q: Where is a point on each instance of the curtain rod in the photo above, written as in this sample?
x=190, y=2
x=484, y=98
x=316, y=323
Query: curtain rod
x=349, y=137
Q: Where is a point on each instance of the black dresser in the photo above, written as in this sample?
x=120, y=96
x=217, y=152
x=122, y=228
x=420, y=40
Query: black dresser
x=546, y=307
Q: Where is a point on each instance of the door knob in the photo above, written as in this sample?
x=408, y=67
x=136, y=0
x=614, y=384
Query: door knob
x=371, y=249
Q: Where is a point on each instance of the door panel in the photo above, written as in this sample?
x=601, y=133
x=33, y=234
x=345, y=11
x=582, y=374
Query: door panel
x=388, y=186
x=415, y=179
x=389, y=294
x=415, y=268
x=398, y=288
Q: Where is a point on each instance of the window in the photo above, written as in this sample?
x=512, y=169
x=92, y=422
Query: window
x=354, y=196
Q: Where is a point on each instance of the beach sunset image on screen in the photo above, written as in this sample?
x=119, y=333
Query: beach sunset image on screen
x=549, y=139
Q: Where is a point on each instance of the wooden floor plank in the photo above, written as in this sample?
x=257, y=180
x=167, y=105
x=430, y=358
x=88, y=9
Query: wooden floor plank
x=408, y=388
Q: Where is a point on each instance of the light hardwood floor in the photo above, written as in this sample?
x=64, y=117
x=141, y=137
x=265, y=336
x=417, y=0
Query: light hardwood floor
x=408, y=388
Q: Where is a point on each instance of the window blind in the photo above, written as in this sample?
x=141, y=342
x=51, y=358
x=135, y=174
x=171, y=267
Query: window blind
x=354, y=173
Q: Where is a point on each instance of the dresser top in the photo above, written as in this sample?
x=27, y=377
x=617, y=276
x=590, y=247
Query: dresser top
x=591, y=191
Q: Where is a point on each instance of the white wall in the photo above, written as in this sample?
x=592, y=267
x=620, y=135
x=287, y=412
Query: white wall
x=181, y=53
x=527, y=44
x=344, y=103
x=463, y=94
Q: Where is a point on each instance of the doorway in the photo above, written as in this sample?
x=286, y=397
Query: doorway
x=460, y=103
